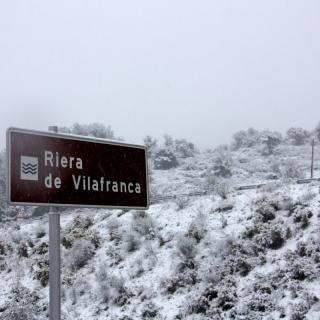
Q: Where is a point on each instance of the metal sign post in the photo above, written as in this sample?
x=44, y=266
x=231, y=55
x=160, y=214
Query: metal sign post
x=54, y=267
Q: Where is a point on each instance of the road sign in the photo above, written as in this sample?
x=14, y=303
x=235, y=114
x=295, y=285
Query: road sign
x=66, y=170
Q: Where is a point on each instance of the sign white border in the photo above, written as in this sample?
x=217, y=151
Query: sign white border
x=69, y=137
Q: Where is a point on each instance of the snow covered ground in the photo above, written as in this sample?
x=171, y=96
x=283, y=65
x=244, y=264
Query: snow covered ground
x=226, y=254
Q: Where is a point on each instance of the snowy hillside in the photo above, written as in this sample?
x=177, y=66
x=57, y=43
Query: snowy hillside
x=223, y=254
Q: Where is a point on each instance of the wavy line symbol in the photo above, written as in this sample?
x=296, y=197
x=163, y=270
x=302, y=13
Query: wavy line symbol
x=29, y=168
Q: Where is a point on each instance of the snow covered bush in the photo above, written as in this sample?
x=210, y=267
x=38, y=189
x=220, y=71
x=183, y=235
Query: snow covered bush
x=42, y=271
x=222, y=188
x=183, y=148
x=297, y=136
x=222, y=163
x=98, y=130
x=224, y=205
x=143, y=224
x=150, y=311
x=182, y=202
x=307, y=196
x=151, y=144
x=267, y=236
x=23, y=305
x=79, y=289
x=111, y=289
x=302, y=216
x=186, y=247
x=113, y=227
x=291, y=170
x=131, y=241
x=245, y=139
x=317, y=131
x=165, y=159
x=80, y=253
x=210, y=179
x=197, y=228
x=80, y=228
x=269, y=141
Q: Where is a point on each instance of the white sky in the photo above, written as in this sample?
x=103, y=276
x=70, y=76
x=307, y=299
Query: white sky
x=199, y=70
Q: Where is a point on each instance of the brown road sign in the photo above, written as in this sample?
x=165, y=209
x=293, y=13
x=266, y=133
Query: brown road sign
x=66, y=170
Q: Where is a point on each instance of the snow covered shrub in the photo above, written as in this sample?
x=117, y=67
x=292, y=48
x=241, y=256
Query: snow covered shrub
x=131, y=241
x=42, y=271
x=317, y=131
x=224, y=205
x=40, y=232
x=265, y=209
x=222, y=188
x=222, y=163
x=245, y=139
x=111, y=288
x=182, y=202
x=291, y=170
x=182, y=277
x=183, y=148
x=80, y=253
x=298, y=136
x=80, y=228
x=301, y=270
x=307, y=196
x=98, y=130
x=151, y=144
x=270, y=187
x=23, y=305
x=143, y=224
x=186, y=248
x=168, y=142
x=197, y=228
x=269, y=141
x=299, y=310
x=261, y=302
x=210, y=180
x=149, y=311
x=82, y=222
x=165, y=159
x=23, y=250
x=276, y=201
x=270, y=237
x=18, y=312
x=79, y=289
x=113, y=227
x=227, y=294
x=302, y=217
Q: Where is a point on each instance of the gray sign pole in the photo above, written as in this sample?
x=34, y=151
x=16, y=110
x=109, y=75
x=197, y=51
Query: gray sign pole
x=54, y=266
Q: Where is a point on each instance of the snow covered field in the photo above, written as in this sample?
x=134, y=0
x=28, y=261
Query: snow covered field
x=226, y=254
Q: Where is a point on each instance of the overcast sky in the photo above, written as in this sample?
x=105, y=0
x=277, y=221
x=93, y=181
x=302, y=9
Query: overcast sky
x=200, y=70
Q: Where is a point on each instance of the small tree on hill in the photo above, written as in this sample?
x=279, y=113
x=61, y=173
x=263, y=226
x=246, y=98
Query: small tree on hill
x=270, y=140
x=151, y=144
x=165, y=159
x=95, y=129
x=222, y=163
x=245, y=139
x=183, y=148
x=317, y=131
x=298, y=136
x=168, y=141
